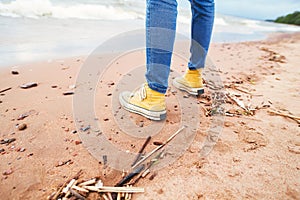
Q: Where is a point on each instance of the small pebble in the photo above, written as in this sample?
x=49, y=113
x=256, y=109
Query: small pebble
x=23, y=116
x=106, y=119
x=72, y=86
x=22, y=127
x=22, y=149
x=30, y=154
x=85, y=128
x=160, y=191
x=173, y=92
x=157, y=143
x=7, y=141
x=228, y=124
x=73, y=131
x=77, y=142
x=236, y=159
x=68, y=93
x=28, y=85
x=7, y=172
x=2, y=150
x=152, y=176
x=141, y=124
x=14, y=72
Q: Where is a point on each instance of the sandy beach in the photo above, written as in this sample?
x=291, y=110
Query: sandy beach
x=257, y=154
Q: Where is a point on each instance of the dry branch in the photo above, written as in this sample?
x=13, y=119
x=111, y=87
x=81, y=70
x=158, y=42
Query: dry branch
x=159, y=147
x=105, y=189
x=4, y=90
x=295, y=118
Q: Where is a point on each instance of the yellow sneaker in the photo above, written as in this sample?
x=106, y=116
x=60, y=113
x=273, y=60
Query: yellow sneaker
x=146, y=102
x=190, y=82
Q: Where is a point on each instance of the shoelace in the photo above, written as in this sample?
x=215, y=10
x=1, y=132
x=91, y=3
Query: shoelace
x=141, y=91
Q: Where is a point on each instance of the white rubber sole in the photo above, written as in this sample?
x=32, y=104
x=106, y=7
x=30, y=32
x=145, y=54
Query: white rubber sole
x=153, y=115
x=192, y=91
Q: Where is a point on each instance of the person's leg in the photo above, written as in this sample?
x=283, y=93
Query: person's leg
x=160, y=35
x=149, y=100
x=202, y=24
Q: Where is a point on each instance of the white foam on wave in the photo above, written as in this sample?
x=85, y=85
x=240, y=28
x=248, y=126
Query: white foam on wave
x=44, y=8
x=268, y=27
x=219, y=21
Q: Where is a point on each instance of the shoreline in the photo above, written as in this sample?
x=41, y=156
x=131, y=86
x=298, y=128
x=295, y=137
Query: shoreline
x=271, y=37
x=28, y=40
x=254, y=151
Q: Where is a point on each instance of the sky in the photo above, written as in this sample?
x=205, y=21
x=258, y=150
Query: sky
x=254, y=9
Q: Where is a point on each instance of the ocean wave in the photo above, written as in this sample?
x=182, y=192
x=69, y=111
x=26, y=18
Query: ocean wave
x=268, y=27
x=45, y=8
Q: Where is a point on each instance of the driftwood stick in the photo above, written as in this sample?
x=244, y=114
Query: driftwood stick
x=158, y=148
x=105, y=197
x=140, y=153
x=89, y=182
x=71, y=183
x=238, y=102
x=147, y=170
x=130, y=176
x=293, y=117
x=115, y=189
x=69, y=188
x=109, y=196
x=77, y=195
x=79, y=189
x=62, y=187
x=119, y=196
x=126, y=196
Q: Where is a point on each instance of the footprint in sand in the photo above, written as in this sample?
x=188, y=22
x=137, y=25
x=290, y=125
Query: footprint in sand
x=253, y=138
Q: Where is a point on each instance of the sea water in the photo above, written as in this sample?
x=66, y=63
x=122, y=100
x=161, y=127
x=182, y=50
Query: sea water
x=32, y=30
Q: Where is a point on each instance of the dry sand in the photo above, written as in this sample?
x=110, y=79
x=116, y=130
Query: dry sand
x=255, y=157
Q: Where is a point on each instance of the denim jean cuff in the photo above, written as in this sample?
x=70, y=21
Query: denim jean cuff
x=157, y=88
x=194, y=67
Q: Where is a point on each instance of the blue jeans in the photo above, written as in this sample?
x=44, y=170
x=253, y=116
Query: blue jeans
x=160, y=36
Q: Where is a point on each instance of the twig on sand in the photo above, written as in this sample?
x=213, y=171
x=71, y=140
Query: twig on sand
x=158, y=148
x=238, y=102
x=105, y=189
x=62, y=187
x=130, y=176
x=89, y=182
x=138, y=157
x=6, y=89
x=293, y=117
x=77, y=195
